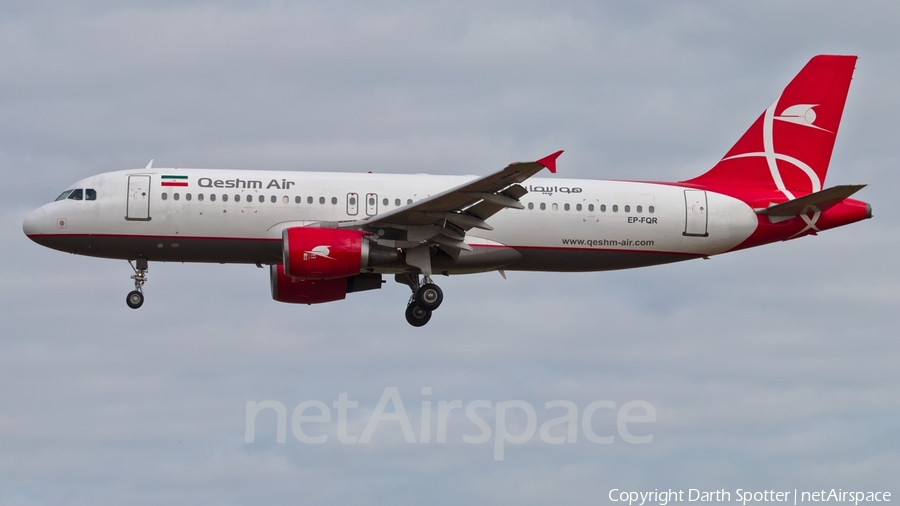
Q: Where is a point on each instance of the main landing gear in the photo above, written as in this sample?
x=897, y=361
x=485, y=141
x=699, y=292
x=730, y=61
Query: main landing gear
x=426, y=297
x=135, y=298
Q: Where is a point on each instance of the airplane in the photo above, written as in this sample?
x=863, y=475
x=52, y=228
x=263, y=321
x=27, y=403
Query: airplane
x=324, y=235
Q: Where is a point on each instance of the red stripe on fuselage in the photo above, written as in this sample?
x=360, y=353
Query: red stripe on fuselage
x=278, y=240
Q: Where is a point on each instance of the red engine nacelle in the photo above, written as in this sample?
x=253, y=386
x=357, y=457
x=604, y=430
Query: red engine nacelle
x=316, y=291
x=323, y=253
x=305, y=291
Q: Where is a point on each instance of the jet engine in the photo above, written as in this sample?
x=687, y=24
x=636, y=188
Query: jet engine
x=329, y=253
x=316, y=291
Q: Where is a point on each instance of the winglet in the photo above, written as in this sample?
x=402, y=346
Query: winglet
x=549, y=161
x=149, y=165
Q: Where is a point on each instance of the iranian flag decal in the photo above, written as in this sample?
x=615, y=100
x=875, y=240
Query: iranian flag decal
x=174, y=180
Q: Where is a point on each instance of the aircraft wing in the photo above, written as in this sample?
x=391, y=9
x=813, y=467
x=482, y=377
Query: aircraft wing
x=462, y=208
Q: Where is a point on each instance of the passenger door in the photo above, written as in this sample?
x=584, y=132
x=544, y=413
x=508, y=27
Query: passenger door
x=137, y=206
x=696, y=213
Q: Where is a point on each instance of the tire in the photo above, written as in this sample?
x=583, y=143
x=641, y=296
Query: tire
x=429, y=297
x=135, y=299
x=417, y=316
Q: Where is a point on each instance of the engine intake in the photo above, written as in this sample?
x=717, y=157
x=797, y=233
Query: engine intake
x=329, y=253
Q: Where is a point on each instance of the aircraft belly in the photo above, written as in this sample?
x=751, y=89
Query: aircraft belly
x=167, y=249
x=555, y=260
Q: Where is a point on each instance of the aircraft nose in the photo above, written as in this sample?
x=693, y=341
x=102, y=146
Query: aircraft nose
x=34, y=223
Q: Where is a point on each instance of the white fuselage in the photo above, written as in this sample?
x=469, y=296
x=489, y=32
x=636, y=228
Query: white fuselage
x=238, y=216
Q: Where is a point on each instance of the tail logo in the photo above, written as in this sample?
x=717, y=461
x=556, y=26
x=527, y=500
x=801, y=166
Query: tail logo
x=318, y=251
x=788, y=148
x=801, y=114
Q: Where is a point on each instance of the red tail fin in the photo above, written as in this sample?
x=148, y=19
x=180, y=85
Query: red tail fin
x=788, y=148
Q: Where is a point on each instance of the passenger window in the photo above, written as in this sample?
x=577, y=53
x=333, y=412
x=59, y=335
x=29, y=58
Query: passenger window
x=578, y=207
x=651, y=209
x=566, y=207
x=371, y=201
x=261, y=199
x=309, y=200
x=615, y=208
x=187, y=196
x=334, y=200
x=297, y=199
x=76, y=194
x=543, y=206
x=64, y=195
x=165, y=196
x=200, y=197
x=531, y=205
x=602, y=208
x=408, y=201
x=273, y=199
x=640, y=209
x=175, y=196
x=555, y=206
x=384, y=202
x=321, y=200
x=352, y=201
x=212, y=197
x=627, y=209
x=397, y=202
x=90, y=194
x=224, y=198
x=591, y=208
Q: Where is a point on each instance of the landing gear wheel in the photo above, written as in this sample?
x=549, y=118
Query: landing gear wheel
x=417, y=316
x=429, y=297
x=135, y=299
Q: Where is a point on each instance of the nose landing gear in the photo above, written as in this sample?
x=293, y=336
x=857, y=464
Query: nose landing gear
x=135, y=298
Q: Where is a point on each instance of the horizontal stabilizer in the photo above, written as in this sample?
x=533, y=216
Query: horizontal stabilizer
x=818, y=201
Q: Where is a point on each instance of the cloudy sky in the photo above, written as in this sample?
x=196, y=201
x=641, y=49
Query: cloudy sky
x=773, y=368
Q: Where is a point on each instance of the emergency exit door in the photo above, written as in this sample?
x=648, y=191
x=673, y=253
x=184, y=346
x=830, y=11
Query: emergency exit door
x=371, y=204
x=352, y=204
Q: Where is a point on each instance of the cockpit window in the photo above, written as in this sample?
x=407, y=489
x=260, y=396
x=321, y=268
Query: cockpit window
x=90, y=194
x=63, y=195
x=76, y=194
